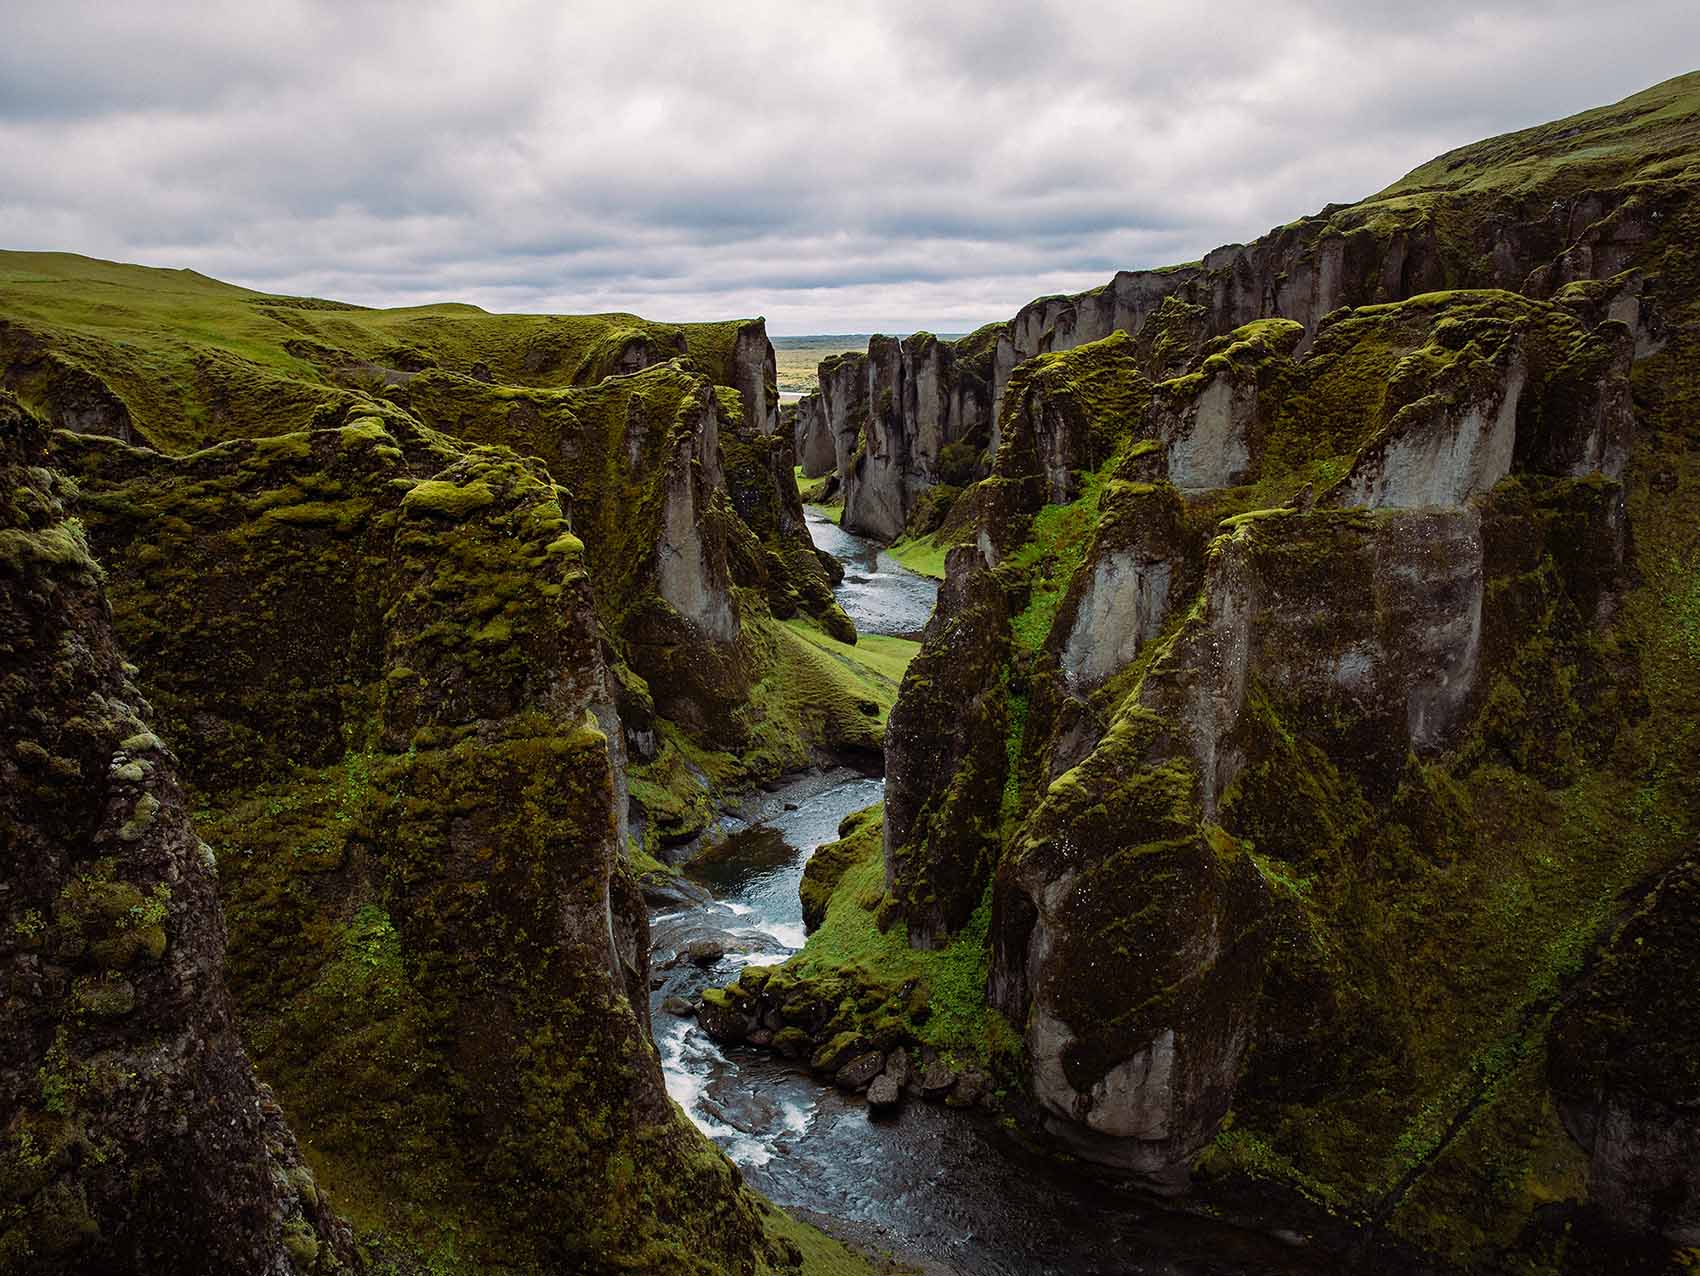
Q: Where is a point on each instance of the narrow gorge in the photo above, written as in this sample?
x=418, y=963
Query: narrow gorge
x=1199, y=777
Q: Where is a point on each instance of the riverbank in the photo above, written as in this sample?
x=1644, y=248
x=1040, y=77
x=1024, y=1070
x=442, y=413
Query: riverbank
x=948, y=1191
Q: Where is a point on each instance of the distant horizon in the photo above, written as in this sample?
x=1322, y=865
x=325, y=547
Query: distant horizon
x=875, y=332
x=634, y=158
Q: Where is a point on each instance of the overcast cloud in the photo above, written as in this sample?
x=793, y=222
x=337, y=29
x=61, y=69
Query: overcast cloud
x=867, y=165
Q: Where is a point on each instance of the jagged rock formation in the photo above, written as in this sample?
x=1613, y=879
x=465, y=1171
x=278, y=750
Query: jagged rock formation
x=383, y=650
x=1551, y=217
x=908, y=415
x=940, y=844
x=665, y=437
x=136, y=1137
x=1321, y=621
x=812, y=442
x=445, y=613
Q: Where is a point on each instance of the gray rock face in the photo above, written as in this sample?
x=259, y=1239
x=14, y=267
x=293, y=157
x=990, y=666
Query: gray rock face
x=1129, y=938
x=890, y=415
x=1300, y=272
x=813, y=437
x=690, y=575
x=884, y=1095
x=1440, y=453
x=1624, y=1062
x=946, y=756
x=755, y=375
x=1124, y=604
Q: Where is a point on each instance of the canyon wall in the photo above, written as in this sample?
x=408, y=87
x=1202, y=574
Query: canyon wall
x=137, y=1137
x=1317, y=620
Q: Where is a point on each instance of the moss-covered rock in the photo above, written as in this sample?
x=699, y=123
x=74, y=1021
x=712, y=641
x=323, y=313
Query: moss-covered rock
x=859, y=835
x=946, y=759
x=439, y=952
x=1349, y=600
x=136, y=1136
x=1624, y=1059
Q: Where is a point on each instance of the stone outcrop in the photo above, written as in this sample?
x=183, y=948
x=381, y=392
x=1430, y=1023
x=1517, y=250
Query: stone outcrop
x=1423, y=235
x=951, y=720
x=441, y=935
x=137, y=1138
x=1253, y=606
x=68, y=395
x=812, y=438
x=908, y=415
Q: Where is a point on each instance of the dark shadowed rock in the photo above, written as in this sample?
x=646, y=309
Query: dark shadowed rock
x=884, y=1095
x=704, y=952
x=138, y=1137
x=1625, y=1063
x=936, y=1079
x=859, y=1072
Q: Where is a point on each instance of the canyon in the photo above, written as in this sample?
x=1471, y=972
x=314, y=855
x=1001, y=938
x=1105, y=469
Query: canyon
x=1286, y=832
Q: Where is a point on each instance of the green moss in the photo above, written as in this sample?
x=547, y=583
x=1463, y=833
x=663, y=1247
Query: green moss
x=448, y=500
x=816, y=1253
x=1051, y=555
x=946, y=984
x=859, y=838
x=922, y=554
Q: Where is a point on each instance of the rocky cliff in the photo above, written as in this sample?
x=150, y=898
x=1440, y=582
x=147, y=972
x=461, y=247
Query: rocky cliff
x=907, y=416
x=451, y=617
x=664, y=441
x=382, y=649
x=1551, y=215
x=1318, y=653
x=136, y=1138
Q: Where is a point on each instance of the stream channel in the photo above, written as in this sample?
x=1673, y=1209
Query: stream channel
x=943, y=1188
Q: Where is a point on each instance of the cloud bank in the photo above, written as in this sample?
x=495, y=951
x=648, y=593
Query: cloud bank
x=837, y=167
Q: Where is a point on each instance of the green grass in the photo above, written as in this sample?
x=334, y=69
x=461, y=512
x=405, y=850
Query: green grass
x=1052, y=554
x=197, y=361
x=1654, y=134
x=822, y=1255
x=874, y=654
x=921, y=554
x=959, y=1021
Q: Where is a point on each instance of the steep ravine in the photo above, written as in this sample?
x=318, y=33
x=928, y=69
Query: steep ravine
x=950, y=1190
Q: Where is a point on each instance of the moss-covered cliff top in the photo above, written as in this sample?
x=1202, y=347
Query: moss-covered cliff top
x=195, y=360
x=1653, y=135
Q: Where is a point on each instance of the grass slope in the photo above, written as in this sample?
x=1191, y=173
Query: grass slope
x=197, y=361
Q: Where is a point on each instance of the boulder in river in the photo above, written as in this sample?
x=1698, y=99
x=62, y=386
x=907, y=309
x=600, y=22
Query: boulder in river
x=678, y=1006
x=859, y=1073
x=793, y=1043
x=704, y=952
x=673, y=892
x=971, y=1088
x=937, y=1079
x=884, y=1095
x=898, y=1068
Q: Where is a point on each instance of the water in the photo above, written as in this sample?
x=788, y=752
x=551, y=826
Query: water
x=879, y=594
x=946, y=1188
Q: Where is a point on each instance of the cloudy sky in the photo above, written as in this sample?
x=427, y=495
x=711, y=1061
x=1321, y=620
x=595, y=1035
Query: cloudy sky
x=864, y=165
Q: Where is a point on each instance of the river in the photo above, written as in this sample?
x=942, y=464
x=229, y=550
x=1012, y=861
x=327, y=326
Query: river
x=945, y=1188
